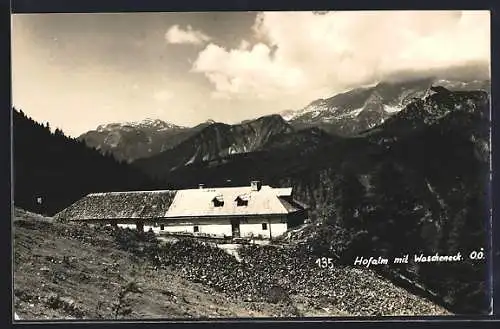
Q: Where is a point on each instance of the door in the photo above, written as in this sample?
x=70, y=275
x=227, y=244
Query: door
x=139, y=226
x=235, y=226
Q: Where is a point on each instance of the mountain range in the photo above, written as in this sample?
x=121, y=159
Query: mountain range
x=344, y=114
x=134, y=140
x=363, y=108
x=217, y=141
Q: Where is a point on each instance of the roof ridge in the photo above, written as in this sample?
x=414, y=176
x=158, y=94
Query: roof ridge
x=186, y=202
x=131, y=192
x=267, y=187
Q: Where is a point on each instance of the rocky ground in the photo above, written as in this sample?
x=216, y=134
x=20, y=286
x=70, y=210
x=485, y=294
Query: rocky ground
x=68, y=271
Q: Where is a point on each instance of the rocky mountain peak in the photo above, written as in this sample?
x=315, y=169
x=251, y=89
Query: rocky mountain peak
x=148, y=123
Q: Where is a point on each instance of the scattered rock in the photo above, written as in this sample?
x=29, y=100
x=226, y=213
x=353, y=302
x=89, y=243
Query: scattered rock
x=273, y=273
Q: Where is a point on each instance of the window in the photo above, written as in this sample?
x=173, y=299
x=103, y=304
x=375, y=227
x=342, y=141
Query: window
x=218, y=201
x=162, y=227
x=264, y=226
x=242, y=201
x=196, y=228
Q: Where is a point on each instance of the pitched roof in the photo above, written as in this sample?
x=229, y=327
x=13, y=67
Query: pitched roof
x=183, y=203
x=198, y=202
x=283, y=191
x=114, y=205
x=289, y=205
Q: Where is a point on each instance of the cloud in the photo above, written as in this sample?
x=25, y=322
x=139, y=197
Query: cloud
x=177, y=35
x=245, y=71
x=303, y=54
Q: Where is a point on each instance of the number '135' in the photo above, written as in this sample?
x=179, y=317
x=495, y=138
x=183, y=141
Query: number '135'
x=324, y=262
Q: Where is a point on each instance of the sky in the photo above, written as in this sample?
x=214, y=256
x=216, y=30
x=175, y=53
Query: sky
x=77, y=71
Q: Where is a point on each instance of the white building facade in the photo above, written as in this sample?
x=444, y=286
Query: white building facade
x=254, y=211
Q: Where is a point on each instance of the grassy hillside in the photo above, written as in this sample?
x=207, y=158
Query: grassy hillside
x=68, y=271
x=62, y=271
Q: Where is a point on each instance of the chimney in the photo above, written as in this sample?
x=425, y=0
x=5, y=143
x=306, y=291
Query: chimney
x=256, y=185
x=201, y=186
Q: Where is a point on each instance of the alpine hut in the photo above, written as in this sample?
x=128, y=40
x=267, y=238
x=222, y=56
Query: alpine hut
x=253, y=211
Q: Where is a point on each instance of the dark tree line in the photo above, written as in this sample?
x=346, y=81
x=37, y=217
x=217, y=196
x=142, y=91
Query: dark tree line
x=51, y=170
x=426, y=194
